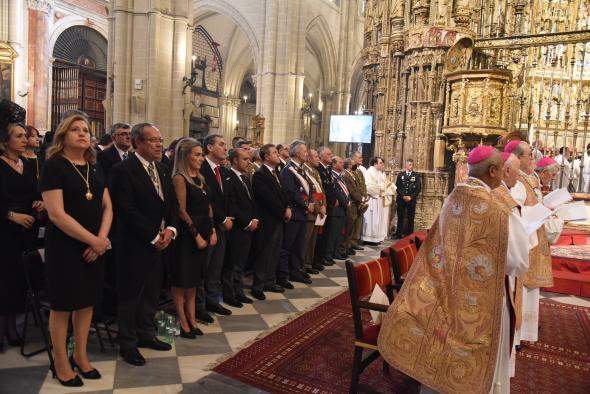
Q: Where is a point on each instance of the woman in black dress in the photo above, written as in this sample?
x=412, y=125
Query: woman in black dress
x=19, y=206
x=80, y=214
x=195, y=234
x=33, y=143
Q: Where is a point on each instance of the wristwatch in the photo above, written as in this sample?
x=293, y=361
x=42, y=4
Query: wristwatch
x=9, y=215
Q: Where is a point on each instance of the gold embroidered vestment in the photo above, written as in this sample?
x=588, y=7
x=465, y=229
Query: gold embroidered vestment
x=443, y=328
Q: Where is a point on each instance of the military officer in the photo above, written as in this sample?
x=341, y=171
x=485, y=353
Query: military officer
x=408, y=185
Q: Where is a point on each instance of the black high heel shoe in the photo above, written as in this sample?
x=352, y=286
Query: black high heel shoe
x=187, y=334
x=74, y=382
x=195, y=330
x=15, y=342
x=92, y=374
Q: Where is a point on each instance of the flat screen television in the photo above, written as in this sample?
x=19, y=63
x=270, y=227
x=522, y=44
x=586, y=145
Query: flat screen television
x=351, y=128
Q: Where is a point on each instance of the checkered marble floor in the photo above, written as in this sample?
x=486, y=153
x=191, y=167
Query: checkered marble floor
x=185, y=367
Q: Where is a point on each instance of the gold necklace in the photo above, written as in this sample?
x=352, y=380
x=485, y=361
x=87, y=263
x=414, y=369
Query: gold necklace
x=86, y=180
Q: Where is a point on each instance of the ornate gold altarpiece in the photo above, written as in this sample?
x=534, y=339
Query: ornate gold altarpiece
x=443, y=76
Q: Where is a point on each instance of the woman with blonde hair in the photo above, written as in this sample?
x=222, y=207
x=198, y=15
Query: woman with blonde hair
x=80, y=214
x=195, y=234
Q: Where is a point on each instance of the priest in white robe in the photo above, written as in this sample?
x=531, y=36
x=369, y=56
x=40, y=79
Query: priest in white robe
x=540, y=271
x=381, y=192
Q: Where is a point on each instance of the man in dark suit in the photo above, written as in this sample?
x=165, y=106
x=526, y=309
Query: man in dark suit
x=325, y=171
x=147, y=218
x=243, y=208
x=297, y=187
x=408, y=185
x=217, y=178
x=119, y=151
x=283, y=151
x=336, y=212
x=274, y=211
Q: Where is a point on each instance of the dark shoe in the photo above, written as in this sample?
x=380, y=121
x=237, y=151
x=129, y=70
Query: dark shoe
x=328, y=262
x=216, y=308
x=258, y=295
x=286, y=284
x=244, y=300
x=234, y=303
x=187, y=334
x=339, y=257
x=351, y=252
x=195, y=330
x=74, y=382
x=356, y=247
x=154, y=344
x=132, y=356
x=306, y=275
x=301, y=280
x=318, y=267
x=204, y=317
x=92, y=374
x=312, y=271
x=278, y=288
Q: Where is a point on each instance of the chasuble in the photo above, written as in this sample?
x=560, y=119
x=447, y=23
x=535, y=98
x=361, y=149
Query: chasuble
x=445, y=326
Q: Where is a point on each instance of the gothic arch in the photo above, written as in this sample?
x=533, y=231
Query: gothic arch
x=320, y=41
x=204, y=8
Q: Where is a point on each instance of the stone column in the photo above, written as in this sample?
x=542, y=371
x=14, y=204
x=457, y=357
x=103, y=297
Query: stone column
x=150, y=47
x=40, y=12
x=229, y=113
x=280, y=79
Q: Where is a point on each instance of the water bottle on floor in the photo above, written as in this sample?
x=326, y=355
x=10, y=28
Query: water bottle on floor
x=71, y=346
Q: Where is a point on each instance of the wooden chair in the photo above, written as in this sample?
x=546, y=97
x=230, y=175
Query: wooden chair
x=362, y=278
x=401, y=260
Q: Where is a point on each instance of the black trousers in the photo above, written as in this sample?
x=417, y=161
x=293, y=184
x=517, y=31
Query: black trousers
x=291, y=260
x=236, y=256
x=265, y=265
x=405, y=209
x=211, y=291
x=138, y=303
x=335, y=227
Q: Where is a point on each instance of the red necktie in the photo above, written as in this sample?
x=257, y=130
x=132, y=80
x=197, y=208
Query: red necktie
x=218, y=176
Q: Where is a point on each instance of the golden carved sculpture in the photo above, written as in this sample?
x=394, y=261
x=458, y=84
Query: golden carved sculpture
x=439, y=74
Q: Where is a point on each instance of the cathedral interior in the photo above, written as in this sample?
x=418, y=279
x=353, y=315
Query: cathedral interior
x=438, y=77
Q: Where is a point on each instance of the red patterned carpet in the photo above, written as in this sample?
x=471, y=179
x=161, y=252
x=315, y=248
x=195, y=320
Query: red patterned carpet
x=313, y=354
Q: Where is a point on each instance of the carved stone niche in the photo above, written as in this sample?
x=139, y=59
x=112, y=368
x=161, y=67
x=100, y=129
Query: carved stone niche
x=477, y=107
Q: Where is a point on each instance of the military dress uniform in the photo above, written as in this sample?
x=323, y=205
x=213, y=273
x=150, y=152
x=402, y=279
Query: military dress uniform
x=408, y=183
x=352, y=212
x=362, y=208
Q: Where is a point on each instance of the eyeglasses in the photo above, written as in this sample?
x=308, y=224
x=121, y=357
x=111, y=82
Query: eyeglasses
x=154, y=140
x=124, y=134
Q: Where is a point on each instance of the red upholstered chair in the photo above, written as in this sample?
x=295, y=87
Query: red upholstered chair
x=401, y=260
x=362, y=279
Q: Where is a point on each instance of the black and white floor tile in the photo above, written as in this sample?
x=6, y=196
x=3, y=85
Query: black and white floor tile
x=185, y=367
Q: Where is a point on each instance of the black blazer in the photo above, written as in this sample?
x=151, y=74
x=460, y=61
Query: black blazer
x=295, y=192
x=408, y=185
x=270, y=197
x=219, y=198
x=107, y=159
x=328, y=184
x=242, y=205
x=140, y=210
x=341, y=197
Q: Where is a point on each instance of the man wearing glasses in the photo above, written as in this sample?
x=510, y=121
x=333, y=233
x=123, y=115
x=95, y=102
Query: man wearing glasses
x=119, y=151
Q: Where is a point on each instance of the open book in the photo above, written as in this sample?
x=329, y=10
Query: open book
x=572, y=211
x=534, y=216
x=557, y=198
